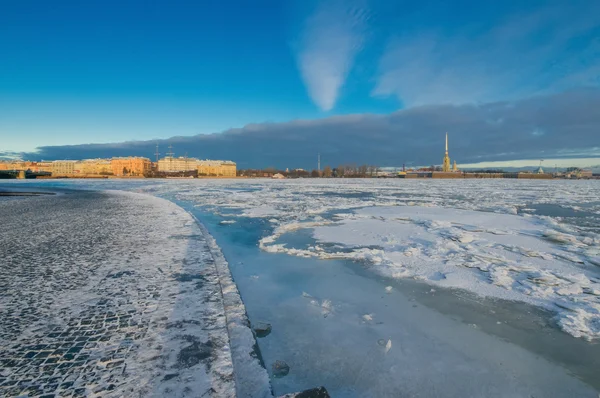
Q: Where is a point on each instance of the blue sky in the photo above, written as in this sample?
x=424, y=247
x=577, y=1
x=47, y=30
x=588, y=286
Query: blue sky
x=74, y=72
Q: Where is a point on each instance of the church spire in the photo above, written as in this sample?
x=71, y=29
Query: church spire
x=446, y=143
x=446, y=164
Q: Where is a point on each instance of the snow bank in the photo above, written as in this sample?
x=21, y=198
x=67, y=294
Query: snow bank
x=122, y=296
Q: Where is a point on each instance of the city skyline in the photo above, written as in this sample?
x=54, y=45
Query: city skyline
x=592, y=164
x=271, y=84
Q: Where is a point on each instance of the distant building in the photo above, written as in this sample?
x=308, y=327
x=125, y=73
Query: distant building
x=94, y=167
x=8, y=165
x=130, y=166
x=35, y=167
x=208, y=168
x=575, y=172
x=42, y=167
x=172, y=164
x=63, y=167
x=585, y=174
x=216, y=168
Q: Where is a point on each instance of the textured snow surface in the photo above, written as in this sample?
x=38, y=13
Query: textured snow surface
x=491, y=254
x=112, y=294
x=468, y=238
x=460, y=234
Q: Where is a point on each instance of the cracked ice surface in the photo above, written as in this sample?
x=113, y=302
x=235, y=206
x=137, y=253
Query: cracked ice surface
x=497, y=255
x=482, y=236
x=109, y=294
x=491, y=237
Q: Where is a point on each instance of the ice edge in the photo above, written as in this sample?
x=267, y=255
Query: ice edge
x=251, y=377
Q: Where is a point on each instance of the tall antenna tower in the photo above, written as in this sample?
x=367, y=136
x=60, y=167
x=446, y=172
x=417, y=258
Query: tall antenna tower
x=170, y=153
x=318, y=161
x=157, y=153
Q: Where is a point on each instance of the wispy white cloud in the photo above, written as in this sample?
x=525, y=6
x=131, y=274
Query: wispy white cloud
x=331, y=38
x=544, y=51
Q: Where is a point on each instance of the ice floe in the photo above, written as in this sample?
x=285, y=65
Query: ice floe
x=455, y=248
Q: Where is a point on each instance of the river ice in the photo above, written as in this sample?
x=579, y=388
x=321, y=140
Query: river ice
x=491, y=254
x=475, y=235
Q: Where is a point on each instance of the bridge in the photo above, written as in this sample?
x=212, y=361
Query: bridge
x=21, y=174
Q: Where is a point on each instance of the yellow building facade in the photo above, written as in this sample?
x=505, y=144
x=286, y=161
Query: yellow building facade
x=216, y=168
x=35, y=167
x=42, y=167
x=11, y=165
x=94, y=167
x=63, y=167
x=130, y=166
x=172, y=164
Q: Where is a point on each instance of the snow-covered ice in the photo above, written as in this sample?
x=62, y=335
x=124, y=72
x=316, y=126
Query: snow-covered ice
x=483, y=236
x=499, y=255
x=471, y=235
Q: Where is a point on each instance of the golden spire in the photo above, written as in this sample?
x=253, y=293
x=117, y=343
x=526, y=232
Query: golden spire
x=446, y=164
x=446, y=143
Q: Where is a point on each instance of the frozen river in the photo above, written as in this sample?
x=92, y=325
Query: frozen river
x=411, y=288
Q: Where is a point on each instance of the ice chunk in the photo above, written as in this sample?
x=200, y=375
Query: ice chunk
x=388, y=346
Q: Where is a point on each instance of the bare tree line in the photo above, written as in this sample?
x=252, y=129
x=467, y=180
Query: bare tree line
x=354, y=171
x=342, y=171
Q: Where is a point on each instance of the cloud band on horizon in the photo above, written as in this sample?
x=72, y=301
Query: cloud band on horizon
x=563, y=125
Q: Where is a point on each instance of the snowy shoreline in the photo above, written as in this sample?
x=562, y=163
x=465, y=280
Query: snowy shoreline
x=135, y=299
x=252, y=379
